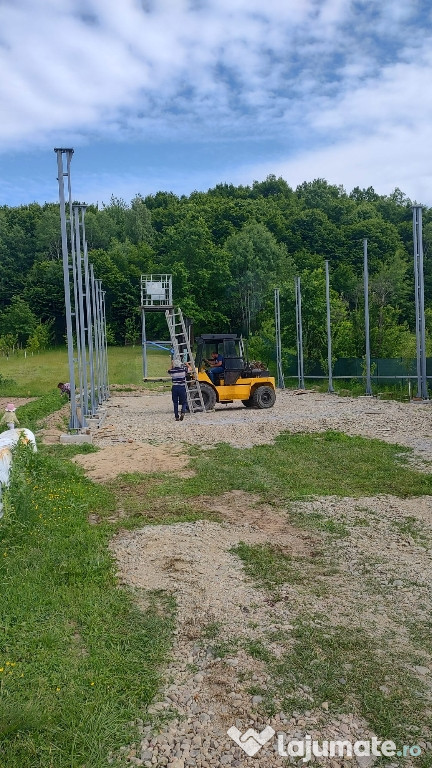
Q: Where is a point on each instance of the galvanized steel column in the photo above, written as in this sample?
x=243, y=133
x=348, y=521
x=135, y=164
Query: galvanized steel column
x=73, y=419
x=279, y=369
x=329, y=339
x=366, y=304
x=299, y=333
x=422, y=390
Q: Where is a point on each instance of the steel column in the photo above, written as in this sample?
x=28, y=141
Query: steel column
x=422, y=390
x=329, y=338
x=366, y=304
x=144, y=342
x=84, y=392
x=299, y=325
x=89, y=314
x=73, y=419
x=279, y=368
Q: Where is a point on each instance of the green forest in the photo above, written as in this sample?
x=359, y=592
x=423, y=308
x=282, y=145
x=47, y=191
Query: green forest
x=227, y=249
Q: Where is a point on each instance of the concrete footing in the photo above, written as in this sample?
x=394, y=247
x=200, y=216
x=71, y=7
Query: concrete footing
x=78, y=439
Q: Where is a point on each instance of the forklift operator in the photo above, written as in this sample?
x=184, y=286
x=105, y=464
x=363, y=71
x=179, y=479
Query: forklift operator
x=217, y=367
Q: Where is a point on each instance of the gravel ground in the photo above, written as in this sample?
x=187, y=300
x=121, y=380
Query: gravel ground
x=382, y=581
x=380, y=587
x=149, y=417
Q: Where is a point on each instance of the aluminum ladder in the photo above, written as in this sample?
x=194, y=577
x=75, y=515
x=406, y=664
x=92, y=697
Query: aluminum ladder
x=182, y=350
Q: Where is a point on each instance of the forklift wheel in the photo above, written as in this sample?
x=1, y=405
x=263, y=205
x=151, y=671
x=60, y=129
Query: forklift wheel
x=209, y=396
x=264, y=397
x=248, y=403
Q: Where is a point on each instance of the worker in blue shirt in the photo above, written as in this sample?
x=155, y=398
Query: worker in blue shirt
x=217, y=367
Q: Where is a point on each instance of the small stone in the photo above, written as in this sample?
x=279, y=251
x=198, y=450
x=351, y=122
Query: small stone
x=257, y=699
x=325, y=705
x=146, y=755
x=422, y=670
x=198, y=678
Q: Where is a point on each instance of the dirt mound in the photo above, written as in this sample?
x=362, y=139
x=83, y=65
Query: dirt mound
x=246, y=509
x=115, y=460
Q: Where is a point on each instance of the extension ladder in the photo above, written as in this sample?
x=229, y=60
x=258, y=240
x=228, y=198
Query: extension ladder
x=182, y=350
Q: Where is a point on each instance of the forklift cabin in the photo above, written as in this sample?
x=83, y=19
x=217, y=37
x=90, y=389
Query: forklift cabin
x=230, y=346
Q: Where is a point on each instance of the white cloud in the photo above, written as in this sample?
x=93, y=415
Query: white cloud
x=75, y=64
x=383, y=162
x=347, y=76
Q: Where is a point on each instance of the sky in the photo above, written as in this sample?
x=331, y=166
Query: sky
x=180, y=95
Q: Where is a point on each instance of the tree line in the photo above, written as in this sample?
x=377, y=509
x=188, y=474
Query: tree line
x=227, y=249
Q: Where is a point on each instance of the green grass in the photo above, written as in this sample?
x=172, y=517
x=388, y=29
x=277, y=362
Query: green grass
x=345, y=666
x=40, y=374
x=303, y=466
x=78, y=660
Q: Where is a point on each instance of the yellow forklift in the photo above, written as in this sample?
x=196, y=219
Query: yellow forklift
x=237, y=380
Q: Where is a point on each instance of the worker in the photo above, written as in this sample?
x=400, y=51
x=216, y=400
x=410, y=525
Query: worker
x=178, y=389
x=217, y=367
x=65, y=388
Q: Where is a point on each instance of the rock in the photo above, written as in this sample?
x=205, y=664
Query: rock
x=422, y=670
x=257, y=699
x=325, y=706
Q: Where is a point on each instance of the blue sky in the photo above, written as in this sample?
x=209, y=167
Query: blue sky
x=180, y=95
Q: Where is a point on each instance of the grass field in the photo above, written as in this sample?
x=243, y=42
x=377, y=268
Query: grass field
x=37, y=375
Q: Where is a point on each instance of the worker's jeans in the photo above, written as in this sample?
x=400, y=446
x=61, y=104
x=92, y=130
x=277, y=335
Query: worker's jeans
x=178, y=393
x=215, y=374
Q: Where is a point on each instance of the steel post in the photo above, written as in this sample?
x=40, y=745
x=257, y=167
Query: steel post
x=144, y=342
x=366, y=305
x=89, y=314
x=100, y=333
x=107, y=393
x=75, y=293
x=73, y=419
x=279, y=368
x=84, y=393
x=95, y=312
x=299, y=334
x=329, y=338
x=422, y=390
